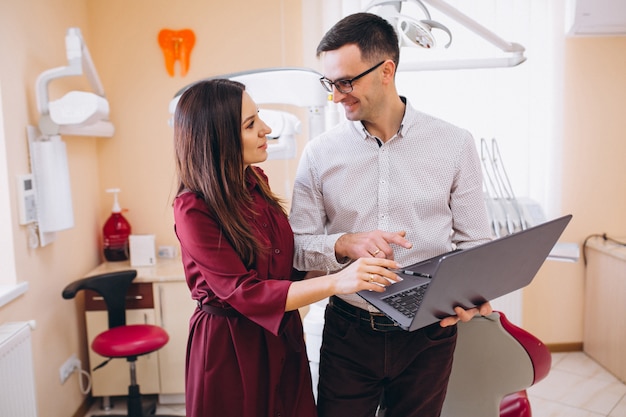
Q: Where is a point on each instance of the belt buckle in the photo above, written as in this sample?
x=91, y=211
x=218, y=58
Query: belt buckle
x=377, y=329
x=373, y=324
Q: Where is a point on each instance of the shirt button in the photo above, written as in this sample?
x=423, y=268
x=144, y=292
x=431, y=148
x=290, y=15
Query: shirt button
x=276, y=250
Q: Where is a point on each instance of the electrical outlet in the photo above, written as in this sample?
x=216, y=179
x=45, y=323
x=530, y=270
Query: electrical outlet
x=71, y=364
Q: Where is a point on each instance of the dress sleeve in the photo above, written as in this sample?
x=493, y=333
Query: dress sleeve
x=214, y=268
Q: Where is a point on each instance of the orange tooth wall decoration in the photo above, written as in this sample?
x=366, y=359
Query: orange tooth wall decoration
x=176, y=46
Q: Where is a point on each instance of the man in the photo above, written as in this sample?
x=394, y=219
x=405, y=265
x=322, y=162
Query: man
x=389, y=182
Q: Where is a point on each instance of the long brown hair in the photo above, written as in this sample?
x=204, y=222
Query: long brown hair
x=209, y=159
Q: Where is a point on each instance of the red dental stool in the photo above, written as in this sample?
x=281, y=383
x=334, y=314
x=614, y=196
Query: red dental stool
x=121, y=340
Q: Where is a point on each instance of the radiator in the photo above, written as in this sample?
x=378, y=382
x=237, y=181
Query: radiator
x=17, y=378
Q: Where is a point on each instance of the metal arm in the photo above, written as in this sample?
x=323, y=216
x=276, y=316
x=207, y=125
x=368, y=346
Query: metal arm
x=79, y=63
x=513, y=52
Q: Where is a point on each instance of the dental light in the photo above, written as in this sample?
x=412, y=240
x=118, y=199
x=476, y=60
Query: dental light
x=78, y=113
x=418, y=33
x=411, y=32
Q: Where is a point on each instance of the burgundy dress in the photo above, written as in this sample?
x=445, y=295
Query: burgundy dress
x=253, y=363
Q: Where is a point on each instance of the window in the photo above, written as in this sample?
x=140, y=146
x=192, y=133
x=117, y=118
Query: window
x=9, y=288
x=517, y=106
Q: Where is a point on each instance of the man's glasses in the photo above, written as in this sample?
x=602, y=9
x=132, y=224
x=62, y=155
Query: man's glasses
x=345, y=86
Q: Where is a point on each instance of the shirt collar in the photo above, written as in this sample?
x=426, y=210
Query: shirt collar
x=364, y=134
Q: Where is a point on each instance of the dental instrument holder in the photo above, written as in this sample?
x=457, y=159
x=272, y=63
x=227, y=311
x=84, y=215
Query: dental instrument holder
x=508, y=213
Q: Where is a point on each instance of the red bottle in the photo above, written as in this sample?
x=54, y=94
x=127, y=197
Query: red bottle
x=115, y=232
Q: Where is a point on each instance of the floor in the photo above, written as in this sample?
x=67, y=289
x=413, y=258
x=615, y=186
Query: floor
x=119, y=407
x=575, y=387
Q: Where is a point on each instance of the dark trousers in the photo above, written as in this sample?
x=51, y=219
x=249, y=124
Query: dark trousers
x=359, y=364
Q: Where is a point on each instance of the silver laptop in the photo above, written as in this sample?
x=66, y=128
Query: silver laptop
x=432, y=288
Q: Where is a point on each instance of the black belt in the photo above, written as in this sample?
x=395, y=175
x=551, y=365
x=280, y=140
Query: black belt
x=218, y=311
x=371, y=320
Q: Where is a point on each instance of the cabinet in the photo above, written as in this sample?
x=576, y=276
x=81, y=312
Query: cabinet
x=604, y=334
x=113, y=378
x=174, y=308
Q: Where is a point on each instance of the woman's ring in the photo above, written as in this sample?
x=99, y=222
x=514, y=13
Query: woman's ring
x=371, y=277
x=376, y=252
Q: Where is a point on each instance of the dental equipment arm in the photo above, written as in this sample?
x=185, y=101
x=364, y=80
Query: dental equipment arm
x=76, y=113
x=513, y=52
x=291, y=86
x=476, y=27
x=288, y=85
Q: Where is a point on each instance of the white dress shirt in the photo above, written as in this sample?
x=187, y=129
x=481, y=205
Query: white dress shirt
x=426, y=180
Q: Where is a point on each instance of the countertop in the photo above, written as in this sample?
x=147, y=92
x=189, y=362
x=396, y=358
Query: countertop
x=165, y=270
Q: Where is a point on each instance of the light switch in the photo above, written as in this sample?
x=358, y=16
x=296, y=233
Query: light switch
x=27, y=200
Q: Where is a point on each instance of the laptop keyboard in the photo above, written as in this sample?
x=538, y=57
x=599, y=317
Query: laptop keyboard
x=407, y=301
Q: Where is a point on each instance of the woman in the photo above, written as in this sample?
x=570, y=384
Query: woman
x=246, y=354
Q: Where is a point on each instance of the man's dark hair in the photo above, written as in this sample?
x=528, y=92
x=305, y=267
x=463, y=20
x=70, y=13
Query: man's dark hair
x=374, y=36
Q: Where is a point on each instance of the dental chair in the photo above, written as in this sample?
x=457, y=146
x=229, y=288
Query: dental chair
x=494, y=363
x=121, y=340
